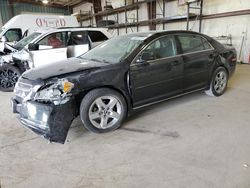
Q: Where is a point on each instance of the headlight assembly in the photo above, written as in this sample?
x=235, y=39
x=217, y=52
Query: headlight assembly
x=58, y=93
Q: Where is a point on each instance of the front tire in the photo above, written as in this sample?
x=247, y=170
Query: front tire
x=218, y=83
x=103, y=110
x=8, y=77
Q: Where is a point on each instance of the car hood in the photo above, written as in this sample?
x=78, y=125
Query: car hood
x=70, y=65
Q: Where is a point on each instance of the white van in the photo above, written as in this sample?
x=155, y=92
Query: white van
x=25, y=24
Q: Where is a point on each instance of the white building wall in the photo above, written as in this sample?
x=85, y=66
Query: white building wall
x=84, y=8
x=237, y=26
x=219, y=6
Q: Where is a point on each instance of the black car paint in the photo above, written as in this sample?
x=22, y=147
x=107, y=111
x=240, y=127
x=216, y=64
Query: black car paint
x=57, y=123
x=140, y=83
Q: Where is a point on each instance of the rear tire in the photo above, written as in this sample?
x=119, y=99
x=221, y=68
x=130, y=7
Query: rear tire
x=103, y=110
x=218, y=83
x=8, y=77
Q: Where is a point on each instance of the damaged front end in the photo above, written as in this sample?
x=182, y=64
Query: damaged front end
x=6, y=59
x=47, y=109
x=5, y=48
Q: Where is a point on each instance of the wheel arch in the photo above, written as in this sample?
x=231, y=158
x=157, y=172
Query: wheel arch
x=212, y=72
x=221, y=62
x=82, y=94
x=9, y=86
x=16, y=65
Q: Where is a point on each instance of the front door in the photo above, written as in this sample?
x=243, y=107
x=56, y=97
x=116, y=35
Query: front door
x=160, y=76
x=78, y=43
x=52, y=48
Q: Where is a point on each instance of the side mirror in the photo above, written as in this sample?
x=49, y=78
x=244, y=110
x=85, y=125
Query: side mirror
x=3, y=39
x=33, y=47
x=145, y=56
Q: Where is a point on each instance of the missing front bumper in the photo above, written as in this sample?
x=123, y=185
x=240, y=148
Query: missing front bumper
x=49, y=120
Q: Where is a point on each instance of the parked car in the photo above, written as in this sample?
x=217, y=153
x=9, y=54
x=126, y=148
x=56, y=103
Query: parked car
x=44, y=47
x=123, y=74
x=24, y=24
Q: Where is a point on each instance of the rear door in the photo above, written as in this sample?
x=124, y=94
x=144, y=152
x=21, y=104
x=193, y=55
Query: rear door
x=51, y=48
x=160, y=77
x=78, y=43
x=198, y=56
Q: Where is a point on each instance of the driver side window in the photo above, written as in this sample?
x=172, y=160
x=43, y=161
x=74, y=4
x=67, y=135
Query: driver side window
x=55, y=40
x=161, y=48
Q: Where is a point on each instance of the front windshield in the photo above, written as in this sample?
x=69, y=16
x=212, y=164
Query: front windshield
x=114, y=50
x=26, y=40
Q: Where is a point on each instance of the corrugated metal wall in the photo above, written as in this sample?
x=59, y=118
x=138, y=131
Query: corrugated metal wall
x=18, y=8
x=4, y=10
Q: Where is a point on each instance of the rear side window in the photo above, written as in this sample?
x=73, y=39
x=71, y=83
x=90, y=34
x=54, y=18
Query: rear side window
x=206, y=44
x=13, y=35
x=192, y=43
x=97, y=36
x=78, y=38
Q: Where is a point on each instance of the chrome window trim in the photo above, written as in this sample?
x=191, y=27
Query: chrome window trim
x=177, y=55
x=196, y=52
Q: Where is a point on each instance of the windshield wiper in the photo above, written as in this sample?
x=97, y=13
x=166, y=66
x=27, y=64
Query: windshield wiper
x=94, y=59
x=100, y=60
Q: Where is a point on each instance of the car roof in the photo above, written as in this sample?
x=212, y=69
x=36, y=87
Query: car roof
x=51, y=30
x=151, y=33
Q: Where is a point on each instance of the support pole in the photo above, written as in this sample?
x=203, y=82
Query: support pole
x=201, y=12
x=117, y=16
x=188, y=11
x=137, y=17
x=126, y=16
x=164, y=9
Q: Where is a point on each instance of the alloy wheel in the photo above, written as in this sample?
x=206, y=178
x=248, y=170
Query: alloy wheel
x=220, y=81
x=105, y=111
x=8, y=78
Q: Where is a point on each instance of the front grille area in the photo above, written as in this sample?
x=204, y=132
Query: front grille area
x=26, y=88
x=22, y=89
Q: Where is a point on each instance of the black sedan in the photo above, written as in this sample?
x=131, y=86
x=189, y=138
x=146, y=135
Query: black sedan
x=125, y=73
